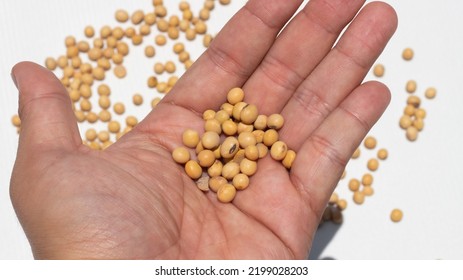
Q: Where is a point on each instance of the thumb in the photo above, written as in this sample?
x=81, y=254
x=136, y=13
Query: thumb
x=47, y=118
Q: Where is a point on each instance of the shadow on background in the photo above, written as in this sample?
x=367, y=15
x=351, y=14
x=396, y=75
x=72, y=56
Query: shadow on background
x=323, y=236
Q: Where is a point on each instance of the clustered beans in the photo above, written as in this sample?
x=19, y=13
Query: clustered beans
x=103, y=51
x=362, y=187
x=412, y=119
x=235, y=137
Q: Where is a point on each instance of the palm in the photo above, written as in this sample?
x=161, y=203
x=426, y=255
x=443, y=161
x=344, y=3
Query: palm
x=133, y=201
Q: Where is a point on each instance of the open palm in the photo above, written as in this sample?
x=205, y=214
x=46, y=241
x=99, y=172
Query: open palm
x=133, y=201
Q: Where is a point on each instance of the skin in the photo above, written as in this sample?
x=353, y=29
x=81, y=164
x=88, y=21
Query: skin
x=132, y=201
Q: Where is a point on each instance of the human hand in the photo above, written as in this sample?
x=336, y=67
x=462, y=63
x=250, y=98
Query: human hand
x=132, y=201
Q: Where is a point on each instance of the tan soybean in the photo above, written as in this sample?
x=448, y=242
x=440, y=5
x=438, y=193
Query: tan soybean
x=226, y=193
x=396, y=215
x=193, y=169
x=181, y=155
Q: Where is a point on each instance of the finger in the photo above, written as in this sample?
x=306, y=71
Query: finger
x=322, y=158
x=339, y=73
x=298, y=50
x=233, y=55
x=47, y=119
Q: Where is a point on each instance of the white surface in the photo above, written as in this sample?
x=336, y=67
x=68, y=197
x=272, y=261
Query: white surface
x=423, y=178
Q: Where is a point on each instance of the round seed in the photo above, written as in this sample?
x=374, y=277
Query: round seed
x=190, y=138
x=382, y=154
x=411, y=133
x=213, y=125
x=122, y=16
x=104, y=102
x=405, y=122
x=407, y=54
x=131, y=121
x=420, y=113
x=261, y=122
x=241, y=181
x=91, y=134
x=249, y=114
x=210, y=140
x=120, y=71
x=248, y=167
x=150, y=51
x=16, y=121
x=181, y=155
x=229, y=147
x=418, y=124
x=227, y=107
x=378, y=70
x=178, y=48
x=263, y=150
x=92, y=117
x=215, y=169
x=270, y=137
x=251, y=152
x=409, y=110
x=206, y=158
x=159, y=68
x=368, y=191
x=229, y=127
x=278, y=150
x=85, y=105
x=411, y=86
x=342, y=204
x=193, y=169
x=89, y=31
x=246, y=139
x=137, y=17
x=114, y=127
x=103, y=136
x=137, y=99
x=359, y=197
x=230, y=170
x=160, y=40
x=370, y=142
x=50, y=63
x=275, y=121
x=373, y=164
x=259, y=135
x=289, y=159
x=430, y=93
x=226, y=193
x=170, y=67
x=244, y=128
x=119, y=108
x=333, y=198
x=240, y=155
x=216, y=182
x=354, y=185
x=235, y=95
x=396, y=215
x=208, y=115
x=414, y=100
x=222, y=116
x=367, y=179
x=105, y=116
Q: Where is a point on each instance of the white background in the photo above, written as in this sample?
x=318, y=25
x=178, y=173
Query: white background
x=423, y=178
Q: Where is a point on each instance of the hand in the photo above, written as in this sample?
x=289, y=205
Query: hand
x=132, y=201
